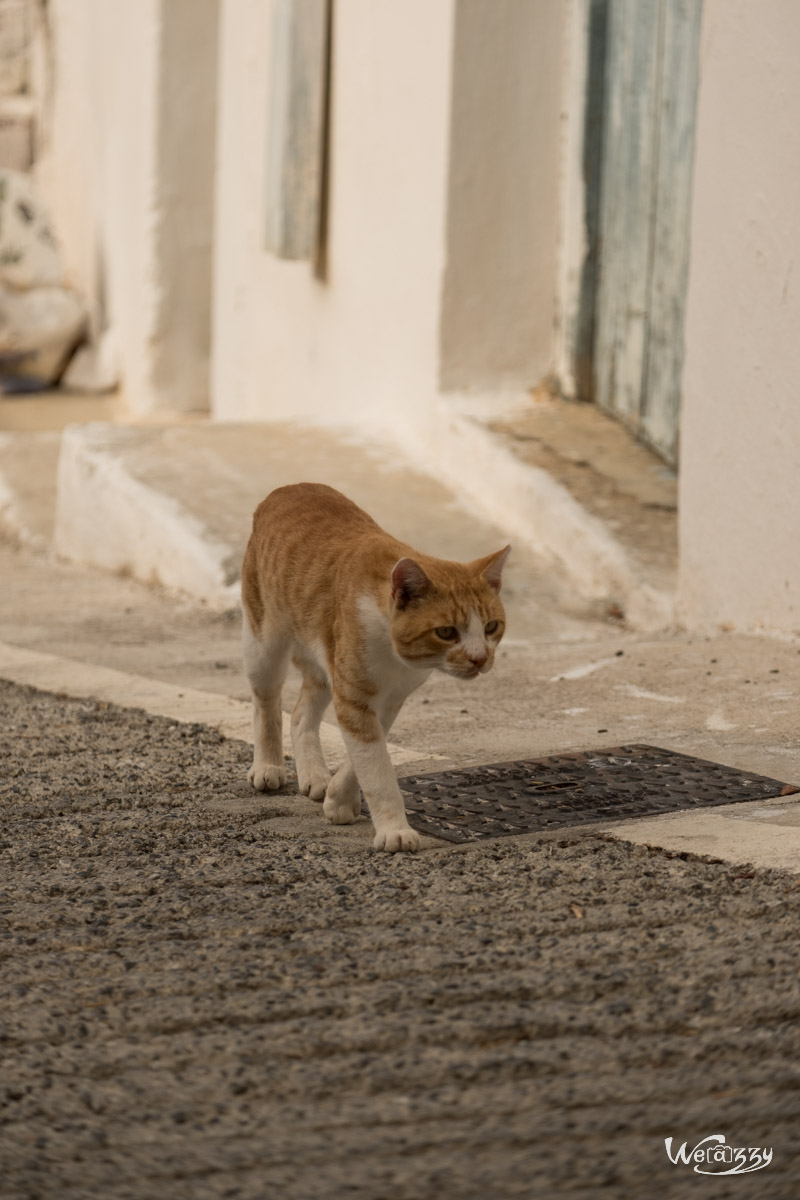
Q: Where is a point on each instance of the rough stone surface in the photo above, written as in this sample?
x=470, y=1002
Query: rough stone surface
x=194, y=1004
x=29, y=256
x=39, y=329
x=41, y=320
x=15, y=46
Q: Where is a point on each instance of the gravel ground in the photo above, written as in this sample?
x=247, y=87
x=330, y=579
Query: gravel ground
x=196, y=1004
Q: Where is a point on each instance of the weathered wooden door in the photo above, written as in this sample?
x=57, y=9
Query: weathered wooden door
x=651, y=75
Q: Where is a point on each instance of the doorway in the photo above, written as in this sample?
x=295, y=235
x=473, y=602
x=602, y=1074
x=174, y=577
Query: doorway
x=644, y=149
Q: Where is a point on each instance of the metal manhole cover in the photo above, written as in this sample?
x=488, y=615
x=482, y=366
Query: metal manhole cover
x=539, y=794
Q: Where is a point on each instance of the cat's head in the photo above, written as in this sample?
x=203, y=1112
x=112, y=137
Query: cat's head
x=448, y=616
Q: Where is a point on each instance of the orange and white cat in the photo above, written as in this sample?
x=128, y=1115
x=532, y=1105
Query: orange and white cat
x=365, y=619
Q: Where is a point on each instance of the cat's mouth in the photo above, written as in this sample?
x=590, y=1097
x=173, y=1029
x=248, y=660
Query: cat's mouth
x=465, y=672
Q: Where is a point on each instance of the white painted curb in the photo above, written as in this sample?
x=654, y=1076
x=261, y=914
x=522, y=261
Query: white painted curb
x=233, y=718
x=107, y=518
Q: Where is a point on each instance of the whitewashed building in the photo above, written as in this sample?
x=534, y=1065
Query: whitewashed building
x=374, y=209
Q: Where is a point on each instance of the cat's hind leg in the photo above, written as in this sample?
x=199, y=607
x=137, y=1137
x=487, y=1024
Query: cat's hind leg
x=343, y=799
x=315, y=696
x=266, y=659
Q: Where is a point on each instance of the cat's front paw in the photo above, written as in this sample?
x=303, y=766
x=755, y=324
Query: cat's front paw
x=393, y=840
x=313, y=785
x=267, y=777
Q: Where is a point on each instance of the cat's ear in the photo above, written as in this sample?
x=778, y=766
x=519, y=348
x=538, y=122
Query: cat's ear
x=491, y=567
x=409, y=582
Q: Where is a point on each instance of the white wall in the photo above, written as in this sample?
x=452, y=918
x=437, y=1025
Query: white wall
x=430, y=283
x=441, y=265
x=126, y=171
x=740, y=434
x=365, y=340
x=572, y=241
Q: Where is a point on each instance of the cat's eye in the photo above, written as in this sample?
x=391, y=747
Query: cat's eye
x=491, y=628
x=448, y=633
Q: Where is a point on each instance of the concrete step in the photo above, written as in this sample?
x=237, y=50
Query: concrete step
x=174, y=505
x=614, y=477
x=577, y=486
x=591, y=514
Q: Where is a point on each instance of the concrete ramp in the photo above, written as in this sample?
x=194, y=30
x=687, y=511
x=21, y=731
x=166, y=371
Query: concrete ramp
x=174, y=505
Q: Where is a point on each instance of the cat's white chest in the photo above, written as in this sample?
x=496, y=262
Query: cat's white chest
x=393, y=678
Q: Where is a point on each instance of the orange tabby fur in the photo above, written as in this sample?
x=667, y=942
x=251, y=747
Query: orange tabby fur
x=357, y=611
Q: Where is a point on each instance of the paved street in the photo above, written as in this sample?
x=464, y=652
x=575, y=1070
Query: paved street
x=197, y=1004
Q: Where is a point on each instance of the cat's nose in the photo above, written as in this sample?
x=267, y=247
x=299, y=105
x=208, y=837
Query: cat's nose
x=478, y=660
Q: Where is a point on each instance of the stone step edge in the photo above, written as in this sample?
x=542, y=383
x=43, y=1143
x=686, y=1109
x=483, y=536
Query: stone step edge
x=231, y=717
x=108, y=518
x=541, y=514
